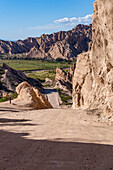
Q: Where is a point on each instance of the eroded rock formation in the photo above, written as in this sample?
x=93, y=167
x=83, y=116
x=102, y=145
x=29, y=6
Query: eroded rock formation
x=63, y=44
x=63, y=79
x=30, y=97
x=93, y=77
x=10, y=78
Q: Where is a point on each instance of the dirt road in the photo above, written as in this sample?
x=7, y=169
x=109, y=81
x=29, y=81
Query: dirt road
x=53, y=97
x=53, y=139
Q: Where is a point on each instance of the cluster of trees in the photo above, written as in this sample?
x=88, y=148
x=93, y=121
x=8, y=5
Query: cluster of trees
x=24, y=57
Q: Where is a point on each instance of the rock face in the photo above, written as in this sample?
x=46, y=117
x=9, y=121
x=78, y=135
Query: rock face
x=93, y=77
x=10, y=78
x=60, y=74
x=82, y=81
x=63, y=44
x=63, y=79
x=30, y=97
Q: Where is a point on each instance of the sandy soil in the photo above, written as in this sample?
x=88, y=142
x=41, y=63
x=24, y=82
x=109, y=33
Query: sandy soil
x=54, y=139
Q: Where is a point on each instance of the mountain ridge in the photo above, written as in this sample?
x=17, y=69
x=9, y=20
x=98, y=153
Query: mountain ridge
x=63, y=44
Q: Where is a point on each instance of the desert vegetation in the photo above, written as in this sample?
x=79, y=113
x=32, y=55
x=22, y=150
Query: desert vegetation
x=65, y=97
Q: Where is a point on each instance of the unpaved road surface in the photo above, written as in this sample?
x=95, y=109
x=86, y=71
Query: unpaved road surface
x=52, y=96
x=53, y=139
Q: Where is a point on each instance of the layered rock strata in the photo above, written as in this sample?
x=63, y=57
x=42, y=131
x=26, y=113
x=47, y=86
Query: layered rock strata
x=64, y=44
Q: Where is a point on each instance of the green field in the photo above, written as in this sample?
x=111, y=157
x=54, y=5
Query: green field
x=43, y=75
x=27, y=65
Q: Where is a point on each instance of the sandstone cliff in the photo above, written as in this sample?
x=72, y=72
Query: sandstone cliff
x=63, y=44
x=93, y=77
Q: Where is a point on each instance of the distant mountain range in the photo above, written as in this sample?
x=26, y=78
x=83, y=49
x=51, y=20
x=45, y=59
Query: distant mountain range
x=64, y=44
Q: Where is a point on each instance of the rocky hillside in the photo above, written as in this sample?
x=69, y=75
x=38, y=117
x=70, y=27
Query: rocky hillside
x=93, y=77
x=63, y=44
x=10, y=78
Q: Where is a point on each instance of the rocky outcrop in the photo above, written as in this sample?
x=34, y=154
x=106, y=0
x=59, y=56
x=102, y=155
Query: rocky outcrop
x=93, y=77
x=47, y=80
x=60, y=74
x=10, y=78
x=82, y=81
x=30, y=97
x=43, y=99
x=63, y=79
x=64, y=44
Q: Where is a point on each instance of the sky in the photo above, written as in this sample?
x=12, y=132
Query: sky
x=20, y=19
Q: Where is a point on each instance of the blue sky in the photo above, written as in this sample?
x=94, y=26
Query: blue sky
x=30, y=18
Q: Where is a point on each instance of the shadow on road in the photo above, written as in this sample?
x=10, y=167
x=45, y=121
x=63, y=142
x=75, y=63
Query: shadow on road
x=6, y=110
x=17, y=152
x=4, y=120
x=15, y=122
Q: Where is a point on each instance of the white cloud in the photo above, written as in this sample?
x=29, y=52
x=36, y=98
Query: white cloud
x=63, y=24
x=86, y=19
x=73, y=19
x=64, y=20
